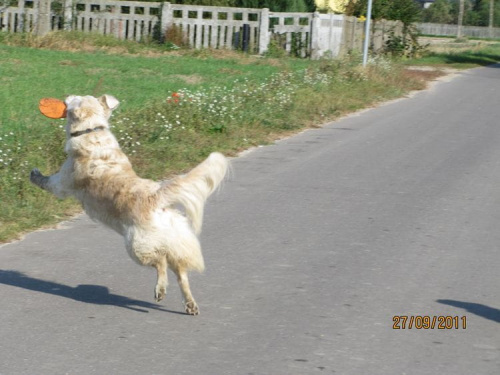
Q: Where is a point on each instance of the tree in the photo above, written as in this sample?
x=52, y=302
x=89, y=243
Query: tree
x=334, y=6
x=461, y=9
x=469, y=10
x=483, y=13
x=273, y=5
x=491, y=14
x=406, y=11
x=311, y=5
x=278, y=5
x=4, y=4
x=438, y=12
x=218, y=3
x=475, y=12
x=358, y=8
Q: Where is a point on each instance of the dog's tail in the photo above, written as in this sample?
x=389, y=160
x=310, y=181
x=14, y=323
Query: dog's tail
x=192, y=189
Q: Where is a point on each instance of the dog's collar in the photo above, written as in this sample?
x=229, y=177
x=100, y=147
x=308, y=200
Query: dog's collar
x=81, y=132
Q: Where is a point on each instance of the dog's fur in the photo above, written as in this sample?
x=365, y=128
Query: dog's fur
x=144, y=212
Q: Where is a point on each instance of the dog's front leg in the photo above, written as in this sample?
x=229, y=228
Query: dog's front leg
x=49, y=183
x=37, y=178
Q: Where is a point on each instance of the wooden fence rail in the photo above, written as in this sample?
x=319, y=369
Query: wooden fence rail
x=303, y=34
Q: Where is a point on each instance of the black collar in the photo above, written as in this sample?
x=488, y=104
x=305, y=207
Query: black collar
x=81, y=132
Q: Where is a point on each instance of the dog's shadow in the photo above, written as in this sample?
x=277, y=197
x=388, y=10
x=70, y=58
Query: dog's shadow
x=95, y=294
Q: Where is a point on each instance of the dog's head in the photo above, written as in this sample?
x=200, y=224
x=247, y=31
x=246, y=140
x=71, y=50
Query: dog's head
x=88, y=112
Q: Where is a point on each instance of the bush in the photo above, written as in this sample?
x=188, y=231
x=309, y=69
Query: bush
x=405, y=45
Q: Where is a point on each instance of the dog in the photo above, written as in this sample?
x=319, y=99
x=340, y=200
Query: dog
x=146, y=213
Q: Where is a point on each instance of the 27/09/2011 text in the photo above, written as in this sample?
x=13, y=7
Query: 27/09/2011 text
x=429, y=322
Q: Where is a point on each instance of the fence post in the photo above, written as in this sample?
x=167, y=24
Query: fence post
x=21, y=16
x=379, y=29
x=43, y=18
x=167, y=18
x=315, y=31
x=264, y=31
x=346, y=29
x=349, y=34
x=68, y=15
x=245, y=40
x=354, y=33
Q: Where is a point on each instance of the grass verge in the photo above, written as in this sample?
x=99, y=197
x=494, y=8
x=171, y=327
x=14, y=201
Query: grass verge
x=445, y=52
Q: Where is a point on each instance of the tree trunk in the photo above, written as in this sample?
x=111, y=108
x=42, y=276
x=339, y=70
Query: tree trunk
x=460, y=18
x=490, y=23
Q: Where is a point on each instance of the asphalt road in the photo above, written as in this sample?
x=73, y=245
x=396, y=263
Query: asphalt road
x=312, y=248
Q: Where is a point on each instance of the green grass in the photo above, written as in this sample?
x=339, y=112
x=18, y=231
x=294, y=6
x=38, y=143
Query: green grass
x=223, y=101
x=29, y=74
x=460, y=55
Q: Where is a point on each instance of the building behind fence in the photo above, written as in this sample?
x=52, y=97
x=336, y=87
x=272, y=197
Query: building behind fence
x=253, y=30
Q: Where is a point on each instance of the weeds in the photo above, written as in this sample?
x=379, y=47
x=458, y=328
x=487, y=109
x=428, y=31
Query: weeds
x=406, y=45
x=88, y=42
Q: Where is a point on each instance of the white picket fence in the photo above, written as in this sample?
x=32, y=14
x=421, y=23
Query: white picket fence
x=20, y=18
x=122, y=19
x=304, y=34
x=214, y=27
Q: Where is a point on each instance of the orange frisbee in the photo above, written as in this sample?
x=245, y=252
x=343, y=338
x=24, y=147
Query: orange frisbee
x=52, y=108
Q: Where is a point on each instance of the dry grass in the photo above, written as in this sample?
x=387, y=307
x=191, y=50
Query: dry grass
x=81, y=42
x=424, y=76
x=189, y=79
x=94, y=43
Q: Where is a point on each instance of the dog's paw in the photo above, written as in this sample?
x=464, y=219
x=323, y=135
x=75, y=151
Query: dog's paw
x=35, y=174
x=37, y=178
x=192, y=308
x=160, y=292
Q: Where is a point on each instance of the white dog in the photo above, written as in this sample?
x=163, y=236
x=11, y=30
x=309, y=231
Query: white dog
x=144, y=212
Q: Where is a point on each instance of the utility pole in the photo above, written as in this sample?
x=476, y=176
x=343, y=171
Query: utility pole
x=367, y=32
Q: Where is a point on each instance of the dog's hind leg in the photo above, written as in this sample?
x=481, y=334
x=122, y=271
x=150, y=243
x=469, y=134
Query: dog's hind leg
x=161, y=284
x=190, y=303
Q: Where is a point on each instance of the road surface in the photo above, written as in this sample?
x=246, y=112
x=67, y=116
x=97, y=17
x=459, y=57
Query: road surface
x=315, y=248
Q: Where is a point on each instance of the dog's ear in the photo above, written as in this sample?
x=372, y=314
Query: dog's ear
x=109, y=102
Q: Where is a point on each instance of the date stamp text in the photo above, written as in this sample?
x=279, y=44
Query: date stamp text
x=429, y=322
